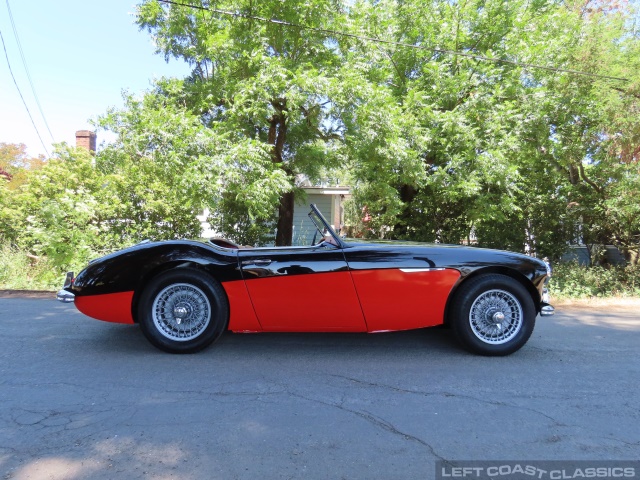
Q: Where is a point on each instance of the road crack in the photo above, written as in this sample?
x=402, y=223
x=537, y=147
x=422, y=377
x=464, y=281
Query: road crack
x=376, y=421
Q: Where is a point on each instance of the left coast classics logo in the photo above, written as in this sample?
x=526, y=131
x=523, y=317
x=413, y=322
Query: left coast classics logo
x=542, y=470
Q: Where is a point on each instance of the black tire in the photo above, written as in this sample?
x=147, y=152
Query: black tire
x=492, y=315
x=199, y=298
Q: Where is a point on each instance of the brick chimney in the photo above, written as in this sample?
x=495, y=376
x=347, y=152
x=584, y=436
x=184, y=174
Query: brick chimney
x=86, y=139
x=5, y=174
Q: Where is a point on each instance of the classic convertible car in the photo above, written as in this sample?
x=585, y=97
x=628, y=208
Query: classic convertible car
x=185, y=294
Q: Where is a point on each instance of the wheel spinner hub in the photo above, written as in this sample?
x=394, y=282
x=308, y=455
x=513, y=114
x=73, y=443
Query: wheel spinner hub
x=181, y=311
x=497, y=319
x=496, y=316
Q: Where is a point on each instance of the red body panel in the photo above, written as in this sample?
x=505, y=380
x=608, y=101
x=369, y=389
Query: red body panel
x=242, y=316
x=322, y=302
x=110, y=307
x=392, y=299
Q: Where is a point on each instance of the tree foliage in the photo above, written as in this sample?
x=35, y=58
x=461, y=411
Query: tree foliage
x=472, y=146
x=55, y=212
x=268, y=88
x=188, y=167
x=15, y=163
x=440, y=146
x=507, y=156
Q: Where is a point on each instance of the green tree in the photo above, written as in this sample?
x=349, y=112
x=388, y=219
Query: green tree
x=16, y=162
x=180, y=167
x=269, y=88
x=492, y=150
x=154, y=169
x=587, y=128
x=56, y=213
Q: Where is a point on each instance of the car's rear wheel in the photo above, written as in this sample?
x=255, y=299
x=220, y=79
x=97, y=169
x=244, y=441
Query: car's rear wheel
x=183, y=311
x=492, y=315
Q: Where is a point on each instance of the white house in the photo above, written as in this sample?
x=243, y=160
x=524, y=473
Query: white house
x=330, y=201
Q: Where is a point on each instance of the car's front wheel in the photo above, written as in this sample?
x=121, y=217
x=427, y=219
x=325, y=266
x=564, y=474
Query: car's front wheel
x=183, y=311
x=492, y=315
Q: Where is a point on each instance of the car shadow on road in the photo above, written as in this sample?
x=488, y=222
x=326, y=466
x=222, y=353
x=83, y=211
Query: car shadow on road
x=129, y=339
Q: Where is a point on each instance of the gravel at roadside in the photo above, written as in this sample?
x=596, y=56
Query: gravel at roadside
x=27, y=294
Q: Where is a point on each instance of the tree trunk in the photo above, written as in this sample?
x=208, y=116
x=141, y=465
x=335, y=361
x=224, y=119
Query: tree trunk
x=284, y=236
x=407, y=194
x=277, y=137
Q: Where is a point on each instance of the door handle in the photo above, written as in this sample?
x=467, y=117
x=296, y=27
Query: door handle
x=260, y=262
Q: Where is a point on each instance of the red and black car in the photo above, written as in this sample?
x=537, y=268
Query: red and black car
x=185, y=294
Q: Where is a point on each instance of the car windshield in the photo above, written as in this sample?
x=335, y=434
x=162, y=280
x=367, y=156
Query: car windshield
x=324, y=231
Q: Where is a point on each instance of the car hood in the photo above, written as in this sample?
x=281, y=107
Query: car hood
x=461, y=253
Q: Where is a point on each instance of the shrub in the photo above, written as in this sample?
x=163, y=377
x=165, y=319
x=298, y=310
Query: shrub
x=21, y=271
x=571, y=280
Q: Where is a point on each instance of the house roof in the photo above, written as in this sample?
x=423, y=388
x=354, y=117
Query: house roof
x=5, y=174
x=328, y=190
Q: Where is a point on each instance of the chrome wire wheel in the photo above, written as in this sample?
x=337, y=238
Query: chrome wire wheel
x=496, y=316
x=181, y=312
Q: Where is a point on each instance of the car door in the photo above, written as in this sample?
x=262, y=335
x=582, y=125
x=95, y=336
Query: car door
x=302, y=289
x=400, y=288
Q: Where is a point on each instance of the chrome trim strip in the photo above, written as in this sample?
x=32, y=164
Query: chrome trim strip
x=420, y=269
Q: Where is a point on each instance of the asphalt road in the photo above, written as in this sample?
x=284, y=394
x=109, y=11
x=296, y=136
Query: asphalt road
x=81, y=399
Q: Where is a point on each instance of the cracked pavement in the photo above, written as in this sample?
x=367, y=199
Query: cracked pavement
x=81, y=398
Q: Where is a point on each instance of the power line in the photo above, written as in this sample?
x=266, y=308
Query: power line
x=391, y=42
x=24, y=62
x=25, y=103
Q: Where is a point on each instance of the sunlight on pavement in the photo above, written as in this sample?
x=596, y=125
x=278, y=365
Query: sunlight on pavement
x=57, y=468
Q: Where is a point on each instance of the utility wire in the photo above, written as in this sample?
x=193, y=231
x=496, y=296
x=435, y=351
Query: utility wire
x=390, y=42
x=24, y=62
x=25, y=103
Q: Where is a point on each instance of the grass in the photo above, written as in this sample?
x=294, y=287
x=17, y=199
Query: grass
x=20, y=271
